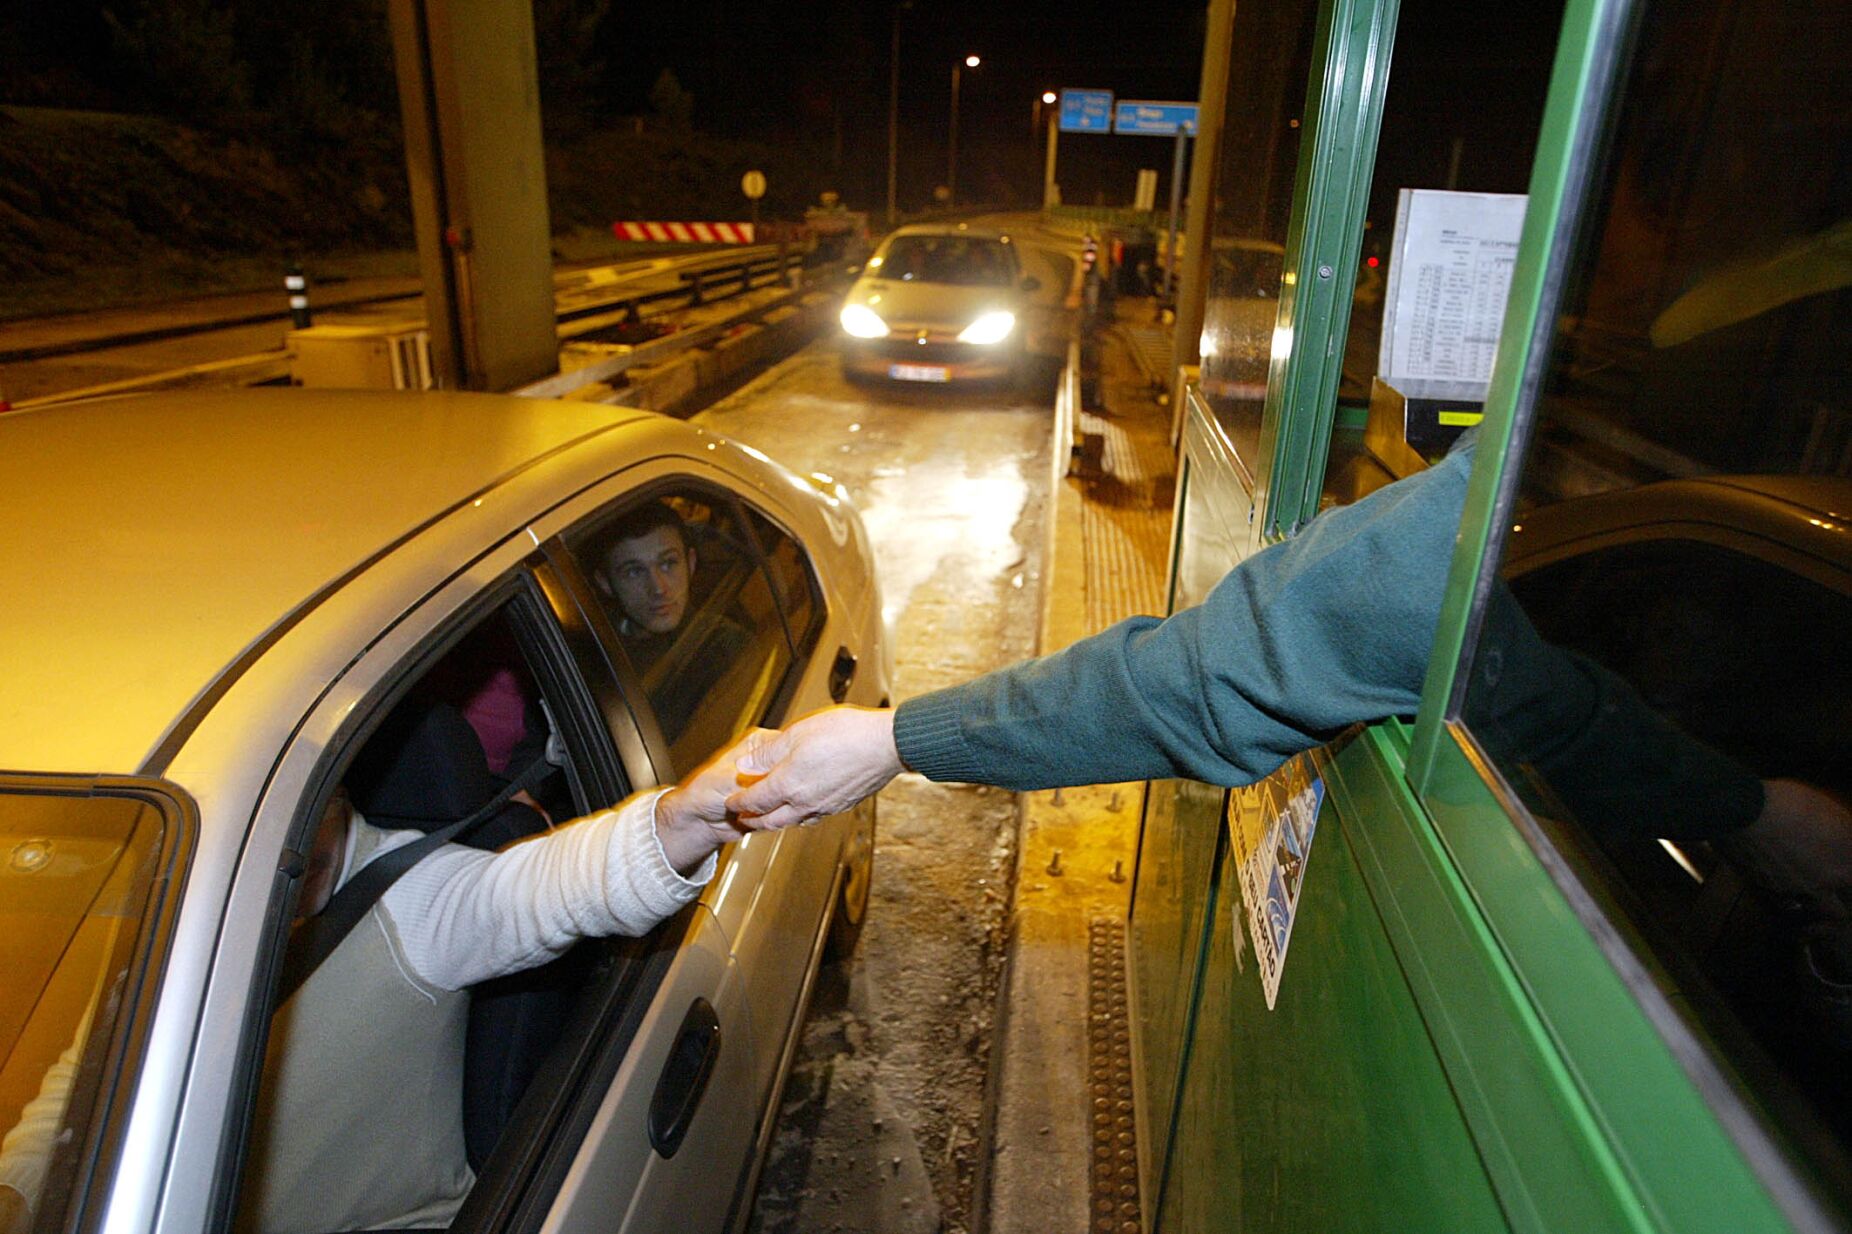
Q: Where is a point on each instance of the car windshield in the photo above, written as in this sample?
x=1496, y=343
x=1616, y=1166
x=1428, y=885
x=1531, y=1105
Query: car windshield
x=76, y=873
x=964, y=261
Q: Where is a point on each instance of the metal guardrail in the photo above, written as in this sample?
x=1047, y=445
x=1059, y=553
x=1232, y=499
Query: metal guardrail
x=707, y=282
x=658, y=350
x=1103, y=216
x=698, y=286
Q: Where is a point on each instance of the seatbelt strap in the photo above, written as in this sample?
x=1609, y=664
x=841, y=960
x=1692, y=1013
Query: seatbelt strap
x=315, y=939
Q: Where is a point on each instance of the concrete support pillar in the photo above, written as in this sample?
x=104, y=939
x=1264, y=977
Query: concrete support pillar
x=470, y=97
x=1212, y=99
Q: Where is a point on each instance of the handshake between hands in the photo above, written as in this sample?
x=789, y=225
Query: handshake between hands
x=823, y=764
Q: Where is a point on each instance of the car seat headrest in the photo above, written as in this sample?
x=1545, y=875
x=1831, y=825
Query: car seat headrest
x=423, y=768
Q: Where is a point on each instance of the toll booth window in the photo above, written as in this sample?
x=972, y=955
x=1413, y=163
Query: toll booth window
x=1662, y=674
x=1461, y=115
x=682, y=585
x=1270, y=58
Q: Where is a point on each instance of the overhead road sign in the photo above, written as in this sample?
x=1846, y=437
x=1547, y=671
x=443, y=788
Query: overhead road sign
x=1153, y=119
x=1086, y=111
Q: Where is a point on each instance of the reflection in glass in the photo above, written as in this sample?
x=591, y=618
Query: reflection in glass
x=1270, y=59
x=1681, y=537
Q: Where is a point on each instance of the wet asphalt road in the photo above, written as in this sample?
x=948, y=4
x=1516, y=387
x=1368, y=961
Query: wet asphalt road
x=880, y=1125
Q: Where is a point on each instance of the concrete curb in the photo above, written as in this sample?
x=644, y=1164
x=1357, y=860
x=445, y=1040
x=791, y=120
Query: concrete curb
x=1037, y=1175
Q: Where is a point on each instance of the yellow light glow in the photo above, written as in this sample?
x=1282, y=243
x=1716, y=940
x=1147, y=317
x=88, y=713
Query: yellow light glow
x=1048, y=96
x=972, y=62
x=1282, y=342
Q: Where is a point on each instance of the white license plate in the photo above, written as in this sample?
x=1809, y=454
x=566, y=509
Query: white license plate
x=919, y=372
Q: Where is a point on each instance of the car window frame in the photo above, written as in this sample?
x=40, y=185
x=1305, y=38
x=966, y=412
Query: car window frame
x=520, y=595
x=592, y=609
x=110, y=1080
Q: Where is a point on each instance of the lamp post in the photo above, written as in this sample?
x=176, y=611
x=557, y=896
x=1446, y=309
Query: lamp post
x=893, y=117
x=1050, y=194
x=1045, y=99
x=951, y=146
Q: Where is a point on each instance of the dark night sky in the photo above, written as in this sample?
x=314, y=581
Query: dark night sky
x=807, y=68
x=813, y=74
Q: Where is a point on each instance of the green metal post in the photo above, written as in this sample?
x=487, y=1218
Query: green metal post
x=1324, y=242
x=1589, y=60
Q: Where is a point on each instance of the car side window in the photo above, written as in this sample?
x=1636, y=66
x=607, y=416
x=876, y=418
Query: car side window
x=793, y=582
x=383, y=1091
x=1663, y=679
x=680, y=581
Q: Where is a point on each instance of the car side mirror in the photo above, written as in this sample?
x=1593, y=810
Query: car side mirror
x=1031, y=283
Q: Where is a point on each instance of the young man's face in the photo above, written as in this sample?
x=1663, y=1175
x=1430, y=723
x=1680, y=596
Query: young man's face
x=649, y=578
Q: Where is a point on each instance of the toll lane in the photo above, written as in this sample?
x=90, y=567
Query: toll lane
x=881, y=1119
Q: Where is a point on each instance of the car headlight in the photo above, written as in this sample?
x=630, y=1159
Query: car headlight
x=863, y=322
x=992, y=327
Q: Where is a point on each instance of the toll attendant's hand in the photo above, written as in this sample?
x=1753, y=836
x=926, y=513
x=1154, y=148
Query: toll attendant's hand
x=692, y=819
x=1799, y=847
x=821, y=765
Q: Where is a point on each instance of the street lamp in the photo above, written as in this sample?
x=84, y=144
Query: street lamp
x=1045, y=99
x=893, y=115
x=951, y=147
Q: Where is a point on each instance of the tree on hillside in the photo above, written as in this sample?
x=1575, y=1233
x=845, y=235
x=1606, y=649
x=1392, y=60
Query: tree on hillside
x=184, y=54
x=668, y=100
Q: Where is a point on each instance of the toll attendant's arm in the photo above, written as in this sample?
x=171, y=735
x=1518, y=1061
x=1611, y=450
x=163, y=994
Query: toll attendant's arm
x=1329, y=628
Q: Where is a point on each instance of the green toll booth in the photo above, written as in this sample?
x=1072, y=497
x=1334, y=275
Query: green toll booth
x=1424, y=978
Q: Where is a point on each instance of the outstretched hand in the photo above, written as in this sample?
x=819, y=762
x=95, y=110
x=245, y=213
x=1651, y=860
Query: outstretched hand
x=821, y=765
x=692, y=819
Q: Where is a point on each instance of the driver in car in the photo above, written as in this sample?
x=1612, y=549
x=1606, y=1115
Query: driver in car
x=648, y=571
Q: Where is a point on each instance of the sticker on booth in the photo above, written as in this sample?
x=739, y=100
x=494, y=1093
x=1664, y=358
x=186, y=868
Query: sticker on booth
x=1270, y=826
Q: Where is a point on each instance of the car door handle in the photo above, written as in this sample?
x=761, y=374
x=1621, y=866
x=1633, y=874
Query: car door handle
x=841, y=674
x=684, y=1077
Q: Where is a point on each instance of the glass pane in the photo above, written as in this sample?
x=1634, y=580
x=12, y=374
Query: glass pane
x=961, y=261
x=695, y=614
x=792, y=581
x=1269, y=61
x=75, y=876
x=1461, y=114
x=1679, y=559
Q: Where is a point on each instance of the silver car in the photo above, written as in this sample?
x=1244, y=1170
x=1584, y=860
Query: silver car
x=219, y=606
x=937, y=304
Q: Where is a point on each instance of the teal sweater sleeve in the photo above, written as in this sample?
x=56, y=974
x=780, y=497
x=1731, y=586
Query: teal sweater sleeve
x=1329, y=628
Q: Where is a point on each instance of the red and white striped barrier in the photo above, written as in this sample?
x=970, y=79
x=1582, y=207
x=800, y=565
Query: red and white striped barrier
x=685, y=233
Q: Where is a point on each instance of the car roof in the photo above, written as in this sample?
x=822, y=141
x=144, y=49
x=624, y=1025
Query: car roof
x=155, y=539
x=1806, y=514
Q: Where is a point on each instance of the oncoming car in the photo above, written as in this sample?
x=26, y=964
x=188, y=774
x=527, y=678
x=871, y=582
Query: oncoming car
x=938, y=304
x=224, y=609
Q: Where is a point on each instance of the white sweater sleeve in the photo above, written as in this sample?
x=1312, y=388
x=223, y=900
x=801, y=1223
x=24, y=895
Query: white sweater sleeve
x=25, y=1152
x=464, y=915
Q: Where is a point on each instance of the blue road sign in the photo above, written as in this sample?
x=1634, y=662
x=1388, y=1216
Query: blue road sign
x=1086, y=111
x=1154, y=119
